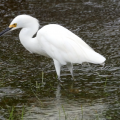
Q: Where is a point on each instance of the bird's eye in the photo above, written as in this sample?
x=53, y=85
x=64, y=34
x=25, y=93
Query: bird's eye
x=15, y=24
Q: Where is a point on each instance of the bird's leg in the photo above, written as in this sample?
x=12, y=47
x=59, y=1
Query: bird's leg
x=70, y=68
x=57, y=68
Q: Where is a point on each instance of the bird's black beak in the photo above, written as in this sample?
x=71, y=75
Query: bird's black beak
x=5, y=31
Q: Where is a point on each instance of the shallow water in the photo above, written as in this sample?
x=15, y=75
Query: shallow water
x=29, y=81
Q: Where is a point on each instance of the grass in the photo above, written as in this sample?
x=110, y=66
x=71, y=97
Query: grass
x=64, y=112
x=82, y=111
x=23, y=109
x=42, y=76
x=37, y=97
x=2, y=81
x=100, y=77
x=13, y=115
x=38, y=85
x=105, y=82
x=38, y=88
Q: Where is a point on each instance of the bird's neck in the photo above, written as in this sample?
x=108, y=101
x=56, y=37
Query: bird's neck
x=29, y=30
x=26, y=39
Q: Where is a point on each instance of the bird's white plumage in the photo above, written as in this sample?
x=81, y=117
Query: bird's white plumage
x=56, y=42
x=64, y=46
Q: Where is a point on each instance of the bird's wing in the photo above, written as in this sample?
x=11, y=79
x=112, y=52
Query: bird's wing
x=64, y=46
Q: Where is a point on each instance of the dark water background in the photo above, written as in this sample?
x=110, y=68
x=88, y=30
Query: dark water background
x=95, y=95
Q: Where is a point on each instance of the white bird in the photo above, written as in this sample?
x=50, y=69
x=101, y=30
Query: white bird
x=54, y=41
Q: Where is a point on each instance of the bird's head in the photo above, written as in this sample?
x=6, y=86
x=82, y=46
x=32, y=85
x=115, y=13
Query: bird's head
x=21, y=21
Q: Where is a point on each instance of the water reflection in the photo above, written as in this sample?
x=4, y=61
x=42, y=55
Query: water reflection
x=94, y=94
x=64, y=108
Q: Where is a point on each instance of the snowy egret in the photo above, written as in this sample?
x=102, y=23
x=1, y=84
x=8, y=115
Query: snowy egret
x=54, y=41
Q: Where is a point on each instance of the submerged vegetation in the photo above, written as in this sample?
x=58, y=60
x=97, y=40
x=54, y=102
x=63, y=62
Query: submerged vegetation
x=17, y=113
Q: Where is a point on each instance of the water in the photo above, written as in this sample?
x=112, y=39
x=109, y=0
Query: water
x=95, y=94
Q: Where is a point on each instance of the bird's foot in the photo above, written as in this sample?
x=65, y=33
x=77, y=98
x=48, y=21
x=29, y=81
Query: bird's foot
x=59, y=80
x=73, y=79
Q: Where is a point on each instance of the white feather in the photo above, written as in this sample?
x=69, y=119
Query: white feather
x=64, y=46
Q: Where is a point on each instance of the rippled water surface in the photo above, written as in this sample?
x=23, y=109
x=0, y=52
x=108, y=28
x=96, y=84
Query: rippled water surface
x=28, y=82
